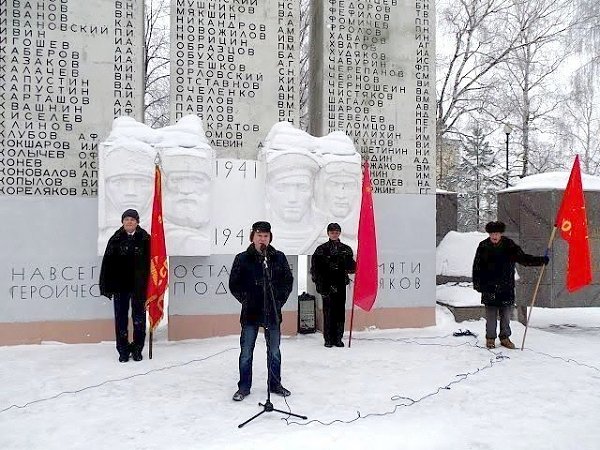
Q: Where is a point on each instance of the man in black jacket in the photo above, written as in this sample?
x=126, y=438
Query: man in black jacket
x=330, y=265
x=261, y=280
x=494, y=277
x=123, y=278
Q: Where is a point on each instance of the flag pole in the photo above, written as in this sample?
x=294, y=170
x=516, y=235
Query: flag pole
x=537, y=286
x=351, y=323
x=150, y=339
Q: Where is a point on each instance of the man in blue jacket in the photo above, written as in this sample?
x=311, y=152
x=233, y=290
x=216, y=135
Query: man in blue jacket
x=261, y=280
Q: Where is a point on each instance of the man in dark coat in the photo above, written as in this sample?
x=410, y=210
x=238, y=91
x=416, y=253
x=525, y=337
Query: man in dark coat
x=261, y=280
x=330, y=265
x=123, y=278
x=494, y=277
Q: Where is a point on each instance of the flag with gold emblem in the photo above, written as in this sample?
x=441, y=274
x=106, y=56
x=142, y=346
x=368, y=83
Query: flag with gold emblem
x=571, y=221
x=159, y=272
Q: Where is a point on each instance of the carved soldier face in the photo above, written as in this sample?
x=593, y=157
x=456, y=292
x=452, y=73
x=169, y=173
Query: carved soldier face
x=187, y=198
x=129, y=178
x=129, y=191
x=341, y=192
x=290, y=195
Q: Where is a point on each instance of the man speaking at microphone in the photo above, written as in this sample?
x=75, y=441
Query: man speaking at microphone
x=261, y=280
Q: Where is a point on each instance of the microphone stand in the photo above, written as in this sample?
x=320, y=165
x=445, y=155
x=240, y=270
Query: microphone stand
x=268, y=310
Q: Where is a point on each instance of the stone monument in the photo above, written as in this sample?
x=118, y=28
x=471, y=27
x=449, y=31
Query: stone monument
x=127, y=161
x=373, y=79
x=236, y=65
x=529, y=210
x=68, y=69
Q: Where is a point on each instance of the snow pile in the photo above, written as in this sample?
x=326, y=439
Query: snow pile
x=455, y=253
x=552, y=181
x=458, y=294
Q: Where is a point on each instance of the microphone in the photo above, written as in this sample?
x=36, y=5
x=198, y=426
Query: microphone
x=263, y=252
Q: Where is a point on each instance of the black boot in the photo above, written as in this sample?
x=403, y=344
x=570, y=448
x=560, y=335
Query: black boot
x=136, y=353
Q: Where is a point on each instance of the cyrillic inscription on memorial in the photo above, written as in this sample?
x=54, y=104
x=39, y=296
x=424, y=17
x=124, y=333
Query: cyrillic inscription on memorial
x=377, y=55
x=67, y=68
x=235, y=66
x=424, y=96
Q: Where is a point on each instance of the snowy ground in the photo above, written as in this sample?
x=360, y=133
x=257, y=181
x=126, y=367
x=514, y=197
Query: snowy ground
x=413, y=389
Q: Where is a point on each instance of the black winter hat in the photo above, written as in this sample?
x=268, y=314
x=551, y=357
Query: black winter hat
x=131, y=213
x=334, y=227
x=495, y=227
x=261, y=227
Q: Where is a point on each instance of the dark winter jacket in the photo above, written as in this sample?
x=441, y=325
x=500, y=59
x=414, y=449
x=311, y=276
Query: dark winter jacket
x=246, y=283
x=494, y=270
x=126, y=264
x=330, y=265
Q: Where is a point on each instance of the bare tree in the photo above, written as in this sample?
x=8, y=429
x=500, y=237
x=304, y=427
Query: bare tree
x=532, y=93
x=466, y=67
x=586, y=35
x=156, y=63
x=476, y=50
x=578, y=127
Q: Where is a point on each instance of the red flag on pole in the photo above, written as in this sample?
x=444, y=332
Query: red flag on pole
x=571, y=221
x=366, y=278
x=159, y=273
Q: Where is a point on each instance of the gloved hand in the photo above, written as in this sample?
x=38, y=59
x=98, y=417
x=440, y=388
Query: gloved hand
x=546, y=260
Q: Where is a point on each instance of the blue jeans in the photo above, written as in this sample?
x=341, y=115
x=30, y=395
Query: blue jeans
x=247, y=342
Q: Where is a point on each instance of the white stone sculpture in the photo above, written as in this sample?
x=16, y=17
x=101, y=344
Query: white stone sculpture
x=187, y=162
x=291, y=169
x=125, y=177
x=338, y=186
x=308, y=182
x=126, y=180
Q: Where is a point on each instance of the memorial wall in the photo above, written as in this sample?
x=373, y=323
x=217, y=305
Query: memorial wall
x=67, y=68
x=235, y=64
x=373, y=78
x=233, y=155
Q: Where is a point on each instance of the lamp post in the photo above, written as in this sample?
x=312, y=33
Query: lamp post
x=507, y=130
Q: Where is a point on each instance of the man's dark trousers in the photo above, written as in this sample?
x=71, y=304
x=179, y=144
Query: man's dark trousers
x=138, y=315
x=334, y=314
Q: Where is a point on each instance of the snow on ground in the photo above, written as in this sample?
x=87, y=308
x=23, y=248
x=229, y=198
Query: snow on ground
x=567, y=320
x=413, y=389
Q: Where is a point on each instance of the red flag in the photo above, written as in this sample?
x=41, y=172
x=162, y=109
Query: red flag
x=572, y=222
x=159, y=272
x=366, y=278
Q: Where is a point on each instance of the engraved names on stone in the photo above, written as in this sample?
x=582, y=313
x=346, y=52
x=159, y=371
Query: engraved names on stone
x=67, y=68
x=236, y=66
x=377, y=89
x=424, y=97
